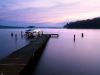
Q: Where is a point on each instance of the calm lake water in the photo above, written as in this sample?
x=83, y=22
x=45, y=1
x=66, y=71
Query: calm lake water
x=63, y=55
x=66, y=56
x=8, y=43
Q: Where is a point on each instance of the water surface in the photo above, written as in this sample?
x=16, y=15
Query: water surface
x=66, y=56
x=8, y=43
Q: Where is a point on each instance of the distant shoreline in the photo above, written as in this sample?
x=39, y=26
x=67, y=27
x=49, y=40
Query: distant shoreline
x=46, y=27
x=81, y=28
x=13, y=28
x=84, y=24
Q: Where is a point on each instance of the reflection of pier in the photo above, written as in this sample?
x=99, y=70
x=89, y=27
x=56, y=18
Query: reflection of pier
x=24, y=60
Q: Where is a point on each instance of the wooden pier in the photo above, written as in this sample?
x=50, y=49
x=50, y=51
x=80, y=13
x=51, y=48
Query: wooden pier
x=54, y=35
x=24, y=60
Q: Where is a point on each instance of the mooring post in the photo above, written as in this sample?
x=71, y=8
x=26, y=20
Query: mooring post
x=82, y=35
x=74, y=37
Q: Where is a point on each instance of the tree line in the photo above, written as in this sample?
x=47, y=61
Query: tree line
x=85, y=24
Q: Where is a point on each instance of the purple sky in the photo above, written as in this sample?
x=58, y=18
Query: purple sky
x=41, y=11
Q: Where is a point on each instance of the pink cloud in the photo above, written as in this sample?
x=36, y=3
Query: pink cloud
x=50, y=10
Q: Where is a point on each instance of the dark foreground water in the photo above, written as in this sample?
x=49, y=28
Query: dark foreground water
x=8, y=43
x=66, y=56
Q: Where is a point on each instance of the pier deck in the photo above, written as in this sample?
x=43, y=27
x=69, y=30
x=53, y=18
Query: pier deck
x=20, y=61
x=53, y=35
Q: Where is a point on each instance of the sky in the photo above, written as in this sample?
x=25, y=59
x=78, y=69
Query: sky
x=48, y=11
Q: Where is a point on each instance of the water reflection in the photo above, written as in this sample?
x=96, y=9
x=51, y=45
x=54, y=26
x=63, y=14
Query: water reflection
x=10, y=40
x=74, y=38
x=16, y=37
x=62, y=57
x=11, y=34
x=22, y=34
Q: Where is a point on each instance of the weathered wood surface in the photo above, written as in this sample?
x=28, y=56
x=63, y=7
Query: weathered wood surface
x=25, y=58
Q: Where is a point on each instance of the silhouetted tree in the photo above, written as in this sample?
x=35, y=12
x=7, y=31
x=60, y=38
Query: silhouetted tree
x=85, y=24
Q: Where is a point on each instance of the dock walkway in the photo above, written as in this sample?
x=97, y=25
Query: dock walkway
x=24, y=59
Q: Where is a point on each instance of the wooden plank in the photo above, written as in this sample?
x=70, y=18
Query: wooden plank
x=19, y=61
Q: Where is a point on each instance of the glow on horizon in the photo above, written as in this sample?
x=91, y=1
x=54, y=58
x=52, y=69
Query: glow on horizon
x=37, y=11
